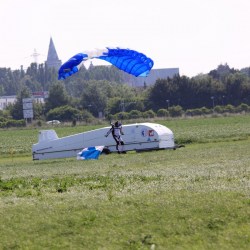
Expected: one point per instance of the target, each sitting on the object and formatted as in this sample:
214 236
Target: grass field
196 197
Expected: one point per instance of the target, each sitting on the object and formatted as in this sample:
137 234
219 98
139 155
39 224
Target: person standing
116 131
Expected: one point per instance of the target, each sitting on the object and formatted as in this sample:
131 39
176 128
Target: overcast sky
193 35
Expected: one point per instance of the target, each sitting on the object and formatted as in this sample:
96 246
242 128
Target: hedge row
176 111
7 123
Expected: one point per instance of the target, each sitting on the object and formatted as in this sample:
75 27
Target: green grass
196 197
213 129
189 130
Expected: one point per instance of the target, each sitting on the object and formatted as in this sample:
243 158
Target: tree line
100 91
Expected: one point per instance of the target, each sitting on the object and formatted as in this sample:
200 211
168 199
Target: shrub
229 108
64 113
243 108
219 109
2 119
149 114
134 114
12 123
86 116
175 111
39 123
120 116
205 111
162 113
196 112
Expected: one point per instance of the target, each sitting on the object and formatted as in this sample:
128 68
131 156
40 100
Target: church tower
52 58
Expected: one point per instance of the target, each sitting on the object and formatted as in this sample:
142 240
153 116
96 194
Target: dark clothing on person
116 131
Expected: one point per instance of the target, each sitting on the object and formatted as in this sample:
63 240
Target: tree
57 97
9 81
163 90
38 110
64 113
94 99
237 87
16 110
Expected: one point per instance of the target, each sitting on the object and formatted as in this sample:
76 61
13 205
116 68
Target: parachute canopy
130 61
71 66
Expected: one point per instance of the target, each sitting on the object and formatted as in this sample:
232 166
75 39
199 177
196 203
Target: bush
219 109
243 108
162 113
149 114
64 113
2 119
206 111
39 123
12 123
229 108
86 116
134 114
193 112
119 116
176 111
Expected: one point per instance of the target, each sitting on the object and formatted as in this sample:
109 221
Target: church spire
52 58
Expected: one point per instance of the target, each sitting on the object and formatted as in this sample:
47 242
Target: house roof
151 78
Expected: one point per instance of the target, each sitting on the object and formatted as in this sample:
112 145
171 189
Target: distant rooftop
151 78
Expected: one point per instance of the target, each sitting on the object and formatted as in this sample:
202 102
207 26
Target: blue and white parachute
130 61
90 153
71 66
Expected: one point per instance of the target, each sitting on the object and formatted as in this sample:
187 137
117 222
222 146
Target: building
154 74
52 58
38 97
6 100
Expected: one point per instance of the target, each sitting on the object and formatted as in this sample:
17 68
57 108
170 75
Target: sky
193 35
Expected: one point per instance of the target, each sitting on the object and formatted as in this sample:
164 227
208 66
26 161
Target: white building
154 74
6 100
38 97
